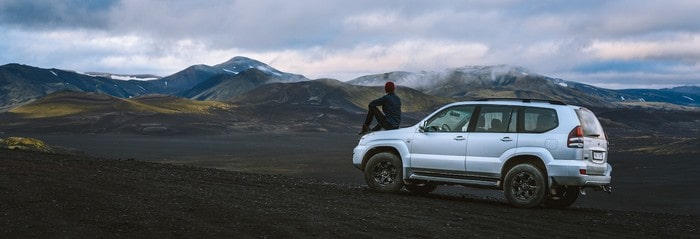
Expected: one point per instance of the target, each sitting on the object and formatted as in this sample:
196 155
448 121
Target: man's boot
365 129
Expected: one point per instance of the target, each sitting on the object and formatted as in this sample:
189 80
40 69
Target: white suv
538 152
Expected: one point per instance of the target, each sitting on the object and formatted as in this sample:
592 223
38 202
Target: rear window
589 123
538 120
496 118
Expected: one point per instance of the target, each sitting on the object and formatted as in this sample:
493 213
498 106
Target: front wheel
383 173
525 186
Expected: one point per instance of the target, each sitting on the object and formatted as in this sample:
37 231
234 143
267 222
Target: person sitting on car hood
390 115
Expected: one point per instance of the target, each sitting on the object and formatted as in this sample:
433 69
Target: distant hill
239 64
680 96
316 105
185 79
335 94
226 87
243 94
202 82
85 112
328 105
505 81
68 103
686 89
20 83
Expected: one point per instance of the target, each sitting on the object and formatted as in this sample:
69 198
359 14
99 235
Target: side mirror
423 127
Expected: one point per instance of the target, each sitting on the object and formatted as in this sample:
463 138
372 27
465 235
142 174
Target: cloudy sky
607 43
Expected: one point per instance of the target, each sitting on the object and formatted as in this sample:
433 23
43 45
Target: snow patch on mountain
127 77
232 72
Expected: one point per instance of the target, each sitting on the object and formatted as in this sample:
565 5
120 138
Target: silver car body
470 156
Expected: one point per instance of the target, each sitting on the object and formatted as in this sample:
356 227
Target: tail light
575 138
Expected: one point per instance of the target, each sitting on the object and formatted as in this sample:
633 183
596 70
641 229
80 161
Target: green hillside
69 103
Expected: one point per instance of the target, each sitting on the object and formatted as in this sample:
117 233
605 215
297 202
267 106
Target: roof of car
516 101
524 100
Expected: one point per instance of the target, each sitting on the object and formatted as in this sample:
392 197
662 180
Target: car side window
453 119
496 118
539 120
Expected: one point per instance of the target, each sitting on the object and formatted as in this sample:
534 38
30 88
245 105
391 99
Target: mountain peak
241 59
241 63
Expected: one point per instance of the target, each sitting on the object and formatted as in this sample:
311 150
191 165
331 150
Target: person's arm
378 102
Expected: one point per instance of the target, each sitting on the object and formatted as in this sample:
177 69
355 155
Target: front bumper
357 156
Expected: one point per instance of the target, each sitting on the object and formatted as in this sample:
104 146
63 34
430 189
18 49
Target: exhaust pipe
607 189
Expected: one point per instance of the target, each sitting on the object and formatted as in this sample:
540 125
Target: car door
493 138
441 144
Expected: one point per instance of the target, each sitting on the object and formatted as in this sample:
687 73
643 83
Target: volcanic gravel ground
65 196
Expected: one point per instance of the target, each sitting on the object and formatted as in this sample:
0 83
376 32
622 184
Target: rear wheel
421 188
565 196
383 173
525 186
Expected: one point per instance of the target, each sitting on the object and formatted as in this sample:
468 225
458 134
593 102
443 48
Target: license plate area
598 156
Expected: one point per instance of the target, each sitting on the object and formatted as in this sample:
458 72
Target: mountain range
316 105
503 81
223 82
21 83
244 94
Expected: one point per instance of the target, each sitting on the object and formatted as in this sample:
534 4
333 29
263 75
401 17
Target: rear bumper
568 173
583 181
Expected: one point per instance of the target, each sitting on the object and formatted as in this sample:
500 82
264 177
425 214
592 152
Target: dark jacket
391 106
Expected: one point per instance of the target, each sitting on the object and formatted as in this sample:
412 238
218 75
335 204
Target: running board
461 181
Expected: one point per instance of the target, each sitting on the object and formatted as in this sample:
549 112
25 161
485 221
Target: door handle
459 138
506 139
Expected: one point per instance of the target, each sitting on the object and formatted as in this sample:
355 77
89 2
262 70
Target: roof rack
525 100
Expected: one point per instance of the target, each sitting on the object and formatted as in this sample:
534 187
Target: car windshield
589 123
454 119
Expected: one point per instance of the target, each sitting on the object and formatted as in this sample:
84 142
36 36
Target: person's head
389 87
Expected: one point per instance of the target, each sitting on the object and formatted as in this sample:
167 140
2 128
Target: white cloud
638 18
349 63
617 80
346 39
684 48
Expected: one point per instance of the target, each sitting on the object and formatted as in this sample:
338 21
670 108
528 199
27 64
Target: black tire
525 186
383 173
421 188
564 198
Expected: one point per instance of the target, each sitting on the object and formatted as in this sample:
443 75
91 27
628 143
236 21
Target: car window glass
453 119
538 120
590 124
494 118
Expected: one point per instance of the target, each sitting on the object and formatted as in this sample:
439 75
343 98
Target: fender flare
394 146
